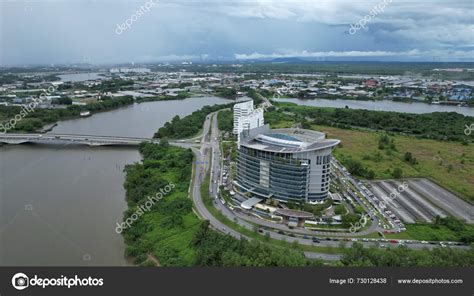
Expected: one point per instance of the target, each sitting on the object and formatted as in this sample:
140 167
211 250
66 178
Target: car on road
306 237
315 240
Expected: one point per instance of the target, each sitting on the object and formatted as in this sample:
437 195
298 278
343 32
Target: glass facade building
285 164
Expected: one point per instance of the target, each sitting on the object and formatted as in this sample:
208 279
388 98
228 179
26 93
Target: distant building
246 117
130 70
241 109
371 83
253 120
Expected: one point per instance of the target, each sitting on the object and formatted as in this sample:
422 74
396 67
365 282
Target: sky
120 31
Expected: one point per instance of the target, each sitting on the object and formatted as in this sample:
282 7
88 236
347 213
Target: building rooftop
288 140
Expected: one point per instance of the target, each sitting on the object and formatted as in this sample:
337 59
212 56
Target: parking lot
420 200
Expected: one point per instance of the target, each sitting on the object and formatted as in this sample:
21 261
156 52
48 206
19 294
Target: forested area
404 257
187 126
438 125
226 120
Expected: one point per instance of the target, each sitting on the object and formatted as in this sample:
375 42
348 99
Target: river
385 105
59 205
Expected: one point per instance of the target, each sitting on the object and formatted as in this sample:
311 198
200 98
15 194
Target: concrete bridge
91 140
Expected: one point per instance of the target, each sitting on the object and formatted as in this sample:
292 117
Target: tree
339 210
397 173
349 219
409 158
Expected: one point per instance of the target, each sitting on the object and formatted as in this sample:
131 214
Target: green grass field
449 164
430 232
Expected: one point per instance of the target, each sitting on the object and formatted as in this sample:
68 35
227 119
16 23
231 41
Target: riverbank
374 99
45 120
42 119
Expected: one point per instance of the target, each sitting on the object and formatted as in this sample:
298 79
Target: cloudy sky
90 31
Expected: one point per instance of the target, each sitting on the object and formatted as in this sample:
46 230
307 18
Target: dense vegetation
113 85
179 96
443 229
438 125
187 126
166 230
40 117
255 96
226 92
215 249
404 257
9 78
226 120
